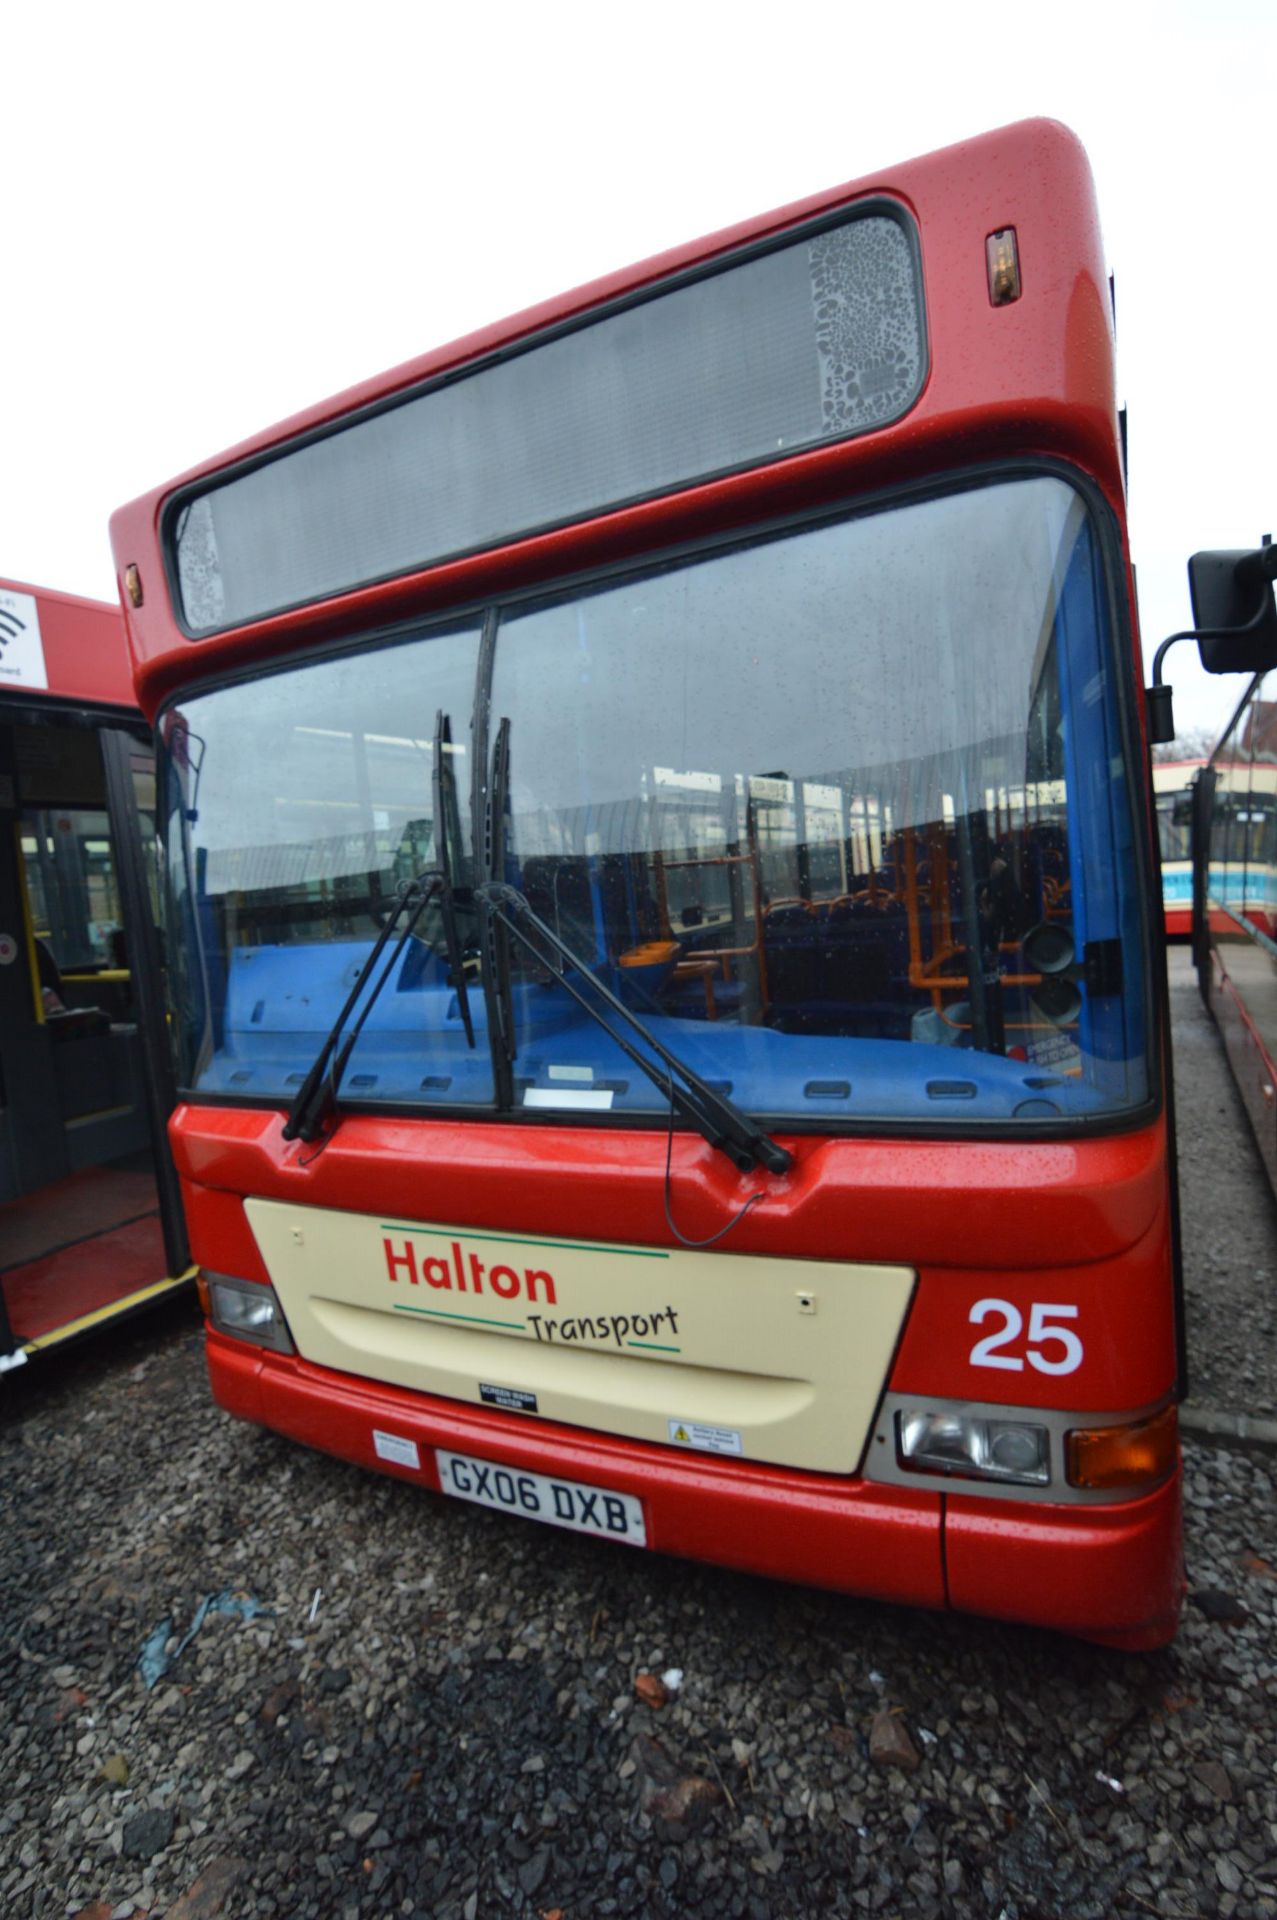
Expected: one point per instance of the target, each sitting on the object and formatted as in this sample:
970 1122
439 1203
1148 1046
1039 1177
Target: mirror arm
1189 633
1158 698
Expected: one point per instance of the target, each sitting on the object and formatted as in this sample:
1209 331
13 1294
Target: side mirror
1235 590
1234 623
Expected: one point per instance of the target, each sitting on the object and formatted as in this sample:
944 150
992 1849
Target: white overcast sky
211 216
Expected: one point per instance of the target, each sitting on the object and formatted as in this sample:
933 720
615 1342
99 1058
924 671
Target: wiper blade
445 797
722 1123
496 953
317 1096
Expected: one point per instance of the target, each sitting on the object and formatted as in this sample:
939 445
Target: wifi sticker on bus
21 648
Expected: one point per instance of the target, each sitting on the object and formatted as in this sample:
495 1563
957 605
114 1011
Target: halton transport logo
478 1287
447 1275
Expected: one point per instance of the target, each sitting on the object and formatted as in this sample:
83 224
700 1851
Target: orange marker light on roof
1129 1456
1002 257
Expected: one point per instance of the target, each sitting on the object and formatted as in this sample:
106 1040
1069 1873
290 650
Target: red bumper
1111 1573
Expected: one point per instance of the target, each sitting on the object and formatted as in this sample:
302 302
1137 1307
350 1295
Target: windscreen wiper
445 796
496 947
317 1096
721 1122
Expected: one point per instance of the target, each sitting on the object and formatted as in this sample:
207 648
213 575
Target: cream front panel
738 1354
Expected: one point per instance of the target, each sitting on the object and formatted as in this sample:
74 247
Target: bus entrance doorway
90 1222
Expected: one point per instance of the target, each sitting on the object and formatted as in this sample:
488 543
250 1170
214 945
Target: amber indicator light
1002 257
1130 1456
133 585
201 1289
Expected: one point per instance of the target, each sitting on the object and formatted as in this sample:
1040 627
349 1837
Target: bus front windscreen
843 813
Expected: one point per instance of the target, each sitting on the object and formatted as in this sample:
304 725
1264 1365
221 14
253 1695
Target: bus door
90 1220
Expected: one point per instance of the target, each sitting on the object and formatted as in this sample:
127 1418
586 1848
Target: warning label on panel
693 1433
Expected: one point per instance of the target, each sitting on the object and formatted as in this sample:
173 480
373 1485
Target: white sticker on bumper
390 1446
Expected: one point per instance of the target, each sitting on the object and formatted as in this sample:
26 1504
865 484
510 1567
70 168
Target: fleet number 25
1051 1348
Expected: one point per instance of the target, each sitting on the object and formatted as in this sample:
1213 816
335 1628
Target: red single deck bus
662 890
90 1216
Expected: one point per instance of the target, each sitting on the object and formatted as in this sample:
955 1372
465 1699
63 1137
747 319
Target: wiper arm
721 1122
317 1096
444 781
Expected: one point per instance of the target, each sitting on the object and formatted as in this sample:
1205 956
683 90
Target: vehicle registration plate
542 1496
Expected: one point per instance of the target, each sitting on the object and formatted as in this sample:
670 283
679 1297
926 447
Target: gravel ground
440 1717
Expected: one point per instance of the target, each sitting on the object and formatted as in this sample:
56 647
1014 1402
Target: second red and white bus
90 1218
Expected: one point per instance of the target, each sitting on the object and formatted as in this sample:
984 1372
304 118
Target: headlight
247 1310
975 1447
